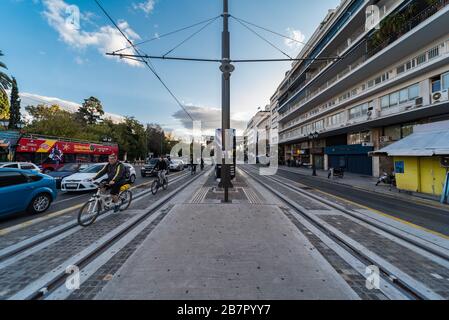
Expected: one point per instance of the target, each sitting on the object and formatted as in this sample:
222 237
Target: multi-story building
258 129
361 88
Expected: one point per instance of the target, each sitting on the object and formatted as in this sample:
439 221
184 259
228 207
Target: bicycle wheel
89 213
125 198
154 187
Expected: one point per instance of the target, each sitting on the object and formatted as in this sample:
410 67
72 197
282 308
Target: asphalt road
424 216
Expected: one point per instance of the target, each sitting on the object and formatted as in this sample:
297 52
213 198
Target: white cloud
146 6
296 35
105 38
35 99
210 120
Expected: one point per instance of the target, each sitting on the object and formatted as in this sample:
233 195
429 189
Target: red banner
46 146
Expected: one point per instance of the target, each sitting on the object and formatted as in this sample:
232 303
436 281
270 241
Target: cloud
296 35
35 99
210 120
146 6
105 38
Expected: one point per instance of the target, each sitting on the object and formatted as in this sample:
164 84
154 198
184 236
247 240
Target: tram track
51 280
403 284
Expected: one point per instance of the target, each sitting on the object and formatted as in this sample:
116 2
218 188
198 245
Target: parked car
20 165
132 175
176 165
83 180
147 169
67 170
24 190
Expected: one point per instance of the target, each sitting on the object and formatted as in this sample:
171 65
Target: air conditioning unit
385 139
440 96
419 102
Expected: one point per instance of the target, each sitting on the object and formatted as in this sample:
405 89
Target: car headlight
88 180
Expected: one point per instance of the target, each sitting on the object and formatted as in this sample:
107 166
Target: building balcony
422 62
427 26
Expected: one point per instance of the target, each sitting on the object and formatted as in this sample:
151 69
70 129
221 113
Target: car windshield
69 167
153 161
92 169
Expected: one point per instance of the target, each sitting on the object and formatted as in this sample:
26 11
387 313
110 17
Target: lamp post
313 137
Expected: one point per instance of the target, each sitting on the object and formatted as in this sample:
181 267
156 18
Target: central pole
226 68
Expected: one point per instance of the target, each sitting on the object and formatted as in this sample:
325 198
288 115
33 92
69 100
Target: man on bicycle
161 167
116 177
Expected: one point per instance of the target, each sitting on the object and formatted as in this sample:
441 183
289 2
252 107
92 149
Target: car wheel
40 203
132 179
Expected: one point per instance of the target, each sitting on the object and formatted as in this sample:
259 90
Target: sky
57 61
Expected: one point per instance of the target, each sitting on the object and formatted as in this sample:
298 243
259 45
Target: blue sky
48 59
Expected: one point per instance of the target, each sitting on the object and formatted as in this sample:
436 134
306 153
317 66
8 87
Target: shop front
352 158
8 142
421 160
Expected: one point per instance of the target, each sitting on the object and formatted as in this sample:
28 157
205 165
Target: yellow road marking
52 215
388 216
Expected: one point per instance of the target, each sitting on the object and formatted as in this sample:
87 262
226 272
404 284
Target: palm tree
5 81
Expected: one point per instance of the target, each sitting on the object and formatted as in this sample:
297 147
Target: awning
426 141
8 139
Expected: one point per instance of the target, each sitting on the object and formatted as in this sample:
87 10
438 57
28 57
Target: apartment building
257 130
364 86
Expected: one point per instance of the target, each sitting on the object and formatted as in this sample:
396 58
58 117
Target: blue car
23 190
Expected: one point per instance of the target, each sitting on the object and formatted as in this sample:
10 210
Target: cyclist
116 177
161 167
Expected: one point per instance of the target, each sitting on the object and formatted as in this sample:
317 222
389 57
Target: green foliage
4 105
133 138
5 81
14 107
91 111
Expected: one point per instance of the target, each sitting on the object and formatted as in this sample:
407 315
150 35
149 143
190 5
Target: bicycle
101 202
156 185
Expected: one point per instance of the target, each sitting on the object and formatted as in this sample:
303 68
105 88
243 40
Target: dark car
147 169
67 170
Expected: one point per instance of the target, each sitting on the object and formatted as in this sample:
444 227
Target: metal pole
226 69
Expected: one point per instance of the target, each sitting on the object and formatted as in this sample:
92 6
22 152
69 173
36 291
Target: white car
20 165
82 181
176 165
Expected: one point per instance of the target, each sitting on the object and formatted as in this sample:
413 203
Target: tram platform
247 249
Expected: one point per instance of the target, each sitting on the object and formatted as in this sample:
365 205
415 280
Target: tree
14 107
5 81
91 111
4 105
56 122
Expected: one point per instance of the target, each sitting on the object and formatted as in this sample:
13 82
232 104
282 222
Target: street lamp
312 137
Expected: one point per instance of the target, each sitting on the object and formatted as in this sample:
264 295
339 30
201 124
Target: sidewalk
204 249
368 183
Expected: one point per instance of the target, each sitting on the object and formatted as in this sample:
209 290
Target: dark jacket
115 172
161 165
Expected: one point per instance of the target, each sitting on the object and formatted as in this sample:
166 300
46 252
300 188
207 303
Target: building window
413 92
445 79
359 137
358 111
394 99
436 85
403 96
421 59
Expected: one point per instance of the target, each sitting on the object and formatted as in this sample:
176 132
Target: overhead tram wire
167 34
271 31
191 36
132 56
147 63
263 38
